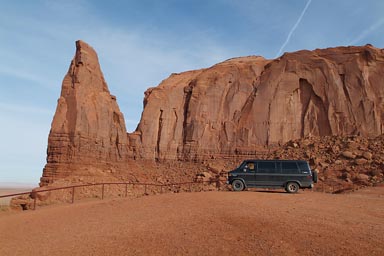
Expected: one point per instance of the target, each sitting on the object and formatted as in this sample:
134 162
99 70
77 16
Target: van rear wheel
292 187
237 185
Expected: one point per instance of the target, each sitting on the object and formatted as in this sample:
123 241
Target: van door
247 173
266 173
290 171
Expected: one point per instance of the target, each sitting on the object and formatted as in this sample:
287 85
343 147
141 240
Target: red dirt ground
203 223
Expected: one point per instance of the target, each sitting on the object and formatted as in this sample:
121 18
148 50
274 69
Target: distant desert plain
12 189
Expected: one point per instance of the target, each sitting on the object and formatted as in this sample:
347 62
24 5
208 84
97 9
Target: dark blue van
289 174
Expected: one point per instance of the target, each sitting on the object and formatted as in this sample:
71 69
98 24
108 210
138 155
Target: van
289 174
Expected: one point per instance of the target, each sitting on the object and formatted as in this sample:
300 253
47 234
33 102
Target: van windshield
247 166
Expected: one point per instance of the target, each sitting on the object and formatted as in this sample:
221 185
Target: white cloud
27 75
20 109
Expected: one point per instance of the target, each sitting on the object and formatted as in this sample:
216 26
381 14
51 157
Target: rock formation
88 128
234 108
244 103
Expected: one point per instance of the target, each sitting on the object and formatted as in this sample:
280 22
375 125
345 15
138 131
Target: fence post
145 189
34 202
126 189
73 194
102 191
161 189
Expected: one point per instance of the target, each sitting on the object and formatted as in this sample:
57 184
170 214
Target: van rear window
290 167
303 166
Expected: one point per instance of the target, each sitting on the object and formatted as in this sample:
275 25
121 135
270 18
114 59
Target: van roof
274 160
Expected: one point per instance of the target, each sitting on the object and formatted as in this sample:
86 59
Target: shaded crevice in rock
116 118
187 98
267 142
246 108
314 116
345 90
175 124
117 144
159 131
73 77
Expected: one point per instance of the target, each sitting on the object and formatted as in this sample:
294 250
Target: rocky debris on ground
340 160
22 203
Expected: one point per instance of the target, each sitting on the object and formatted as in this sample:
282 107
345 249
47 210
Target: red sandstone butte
88 128
243 103
234 107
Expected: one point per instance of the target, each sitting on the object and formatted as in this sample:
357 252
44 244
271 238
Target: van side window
263 167
290 167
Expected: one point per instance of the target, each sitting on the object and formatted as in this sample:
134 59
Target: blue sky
140 43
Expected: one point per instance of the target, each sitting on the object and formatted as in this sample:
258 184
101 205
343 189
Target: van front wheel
237 185
292 187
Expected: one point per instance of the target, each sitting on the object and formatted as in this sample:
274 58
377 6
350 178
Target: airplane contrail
366 32
294 28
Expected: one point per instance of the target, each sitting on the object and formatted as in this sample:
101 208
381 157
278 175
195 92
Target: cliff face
88 128
236 107
244 103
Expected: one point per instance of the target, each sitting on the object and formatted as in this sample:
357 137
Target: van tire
238 185
292 187
315 176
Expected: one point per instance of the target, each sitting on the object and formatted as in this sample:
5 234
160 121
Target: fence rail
325 187
34 193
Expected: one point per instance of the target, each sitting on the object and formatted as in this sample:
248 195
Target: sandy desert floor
203 223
